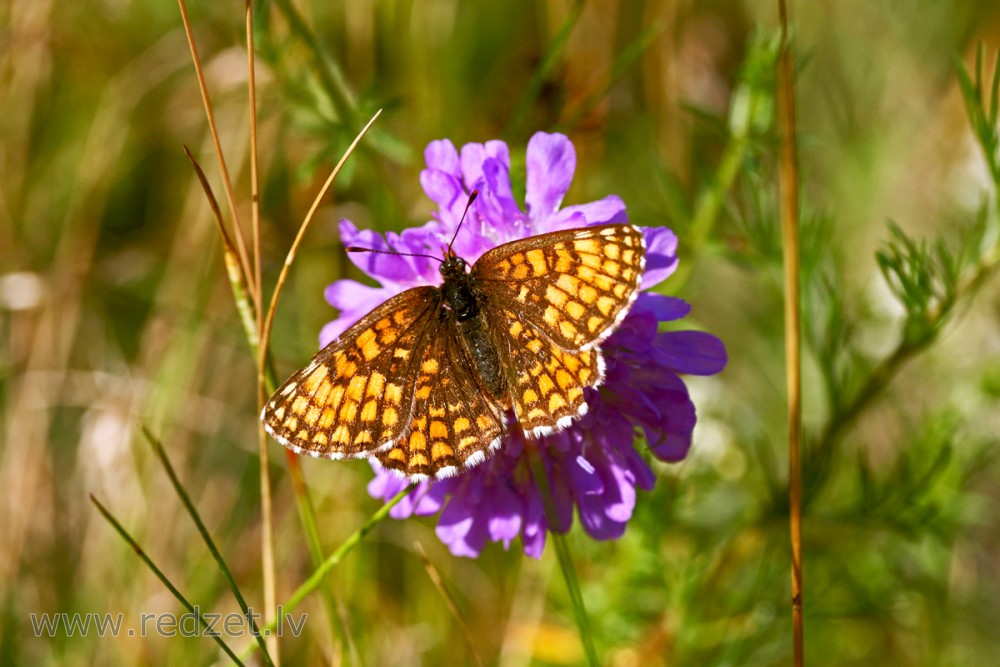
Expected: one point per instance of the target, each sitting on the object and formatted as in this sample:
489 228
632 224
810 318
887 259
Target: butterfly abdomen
484 354
464 304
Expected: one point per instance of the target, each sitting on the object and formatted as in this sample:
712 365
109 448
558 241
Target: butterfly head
453 266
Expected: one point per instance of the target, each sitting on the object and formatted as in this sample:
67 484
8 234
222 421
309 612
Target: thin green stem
883 374
565 562
237 279
750 106
317 577
307 516
163 578
209 542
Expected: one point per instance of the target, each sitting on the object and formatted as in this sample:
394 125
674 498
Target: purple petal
671 438
455 522
354 301
331 330
551 161
645 478
497 178
673 447
423 500
459 528
637 331
505 522
441 187
562 498
596 521
564 219
619 500
349 294
585 478
535 526
661 255
387 269
429 497
385 485
441 155
605 211
426 239
664 308
474 155
691 352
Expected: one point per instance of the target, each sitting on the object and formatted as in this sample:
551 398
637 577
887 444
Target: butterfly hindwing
356 396
456 422
546 382
575 286
422 384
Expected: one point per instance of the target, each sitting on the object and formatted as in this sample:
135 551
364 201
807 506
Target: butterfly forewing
546 382
410 385
356 395
575 286
456 422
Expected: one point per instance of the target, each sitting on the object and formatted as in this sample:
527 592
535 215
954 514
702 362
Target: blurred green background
115 312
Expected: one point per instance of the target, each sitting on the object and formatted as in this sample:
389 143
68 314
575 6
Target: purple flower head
592 466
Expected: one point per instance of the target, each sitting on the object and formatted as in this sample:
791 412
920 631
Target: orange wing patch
423 394
575 286
349 400
546 382
455 423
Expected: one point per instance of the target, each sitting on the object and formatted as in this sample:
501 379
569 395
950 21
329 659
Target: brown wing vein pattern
356 395
575 286
551 300
455 422
401 386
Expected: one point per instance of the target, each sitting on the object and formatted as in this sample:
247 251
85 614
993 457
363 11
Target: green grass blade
209 542
534 85
307 515
163 578
995 89
317 577
329 72
565 563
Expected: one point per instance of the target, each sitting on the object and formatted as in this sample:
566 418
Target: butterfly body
427 382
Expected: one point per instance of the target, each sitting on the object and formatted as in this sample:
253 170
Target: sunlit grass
116 311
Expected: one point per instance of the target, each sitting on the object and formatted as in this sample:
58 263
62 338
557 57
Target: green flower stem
163 578
307 515
317 577
750 113
209 542
565 562
884 373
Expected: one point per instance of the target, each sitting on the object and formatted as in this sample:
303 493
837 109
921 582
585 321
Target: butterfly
424 383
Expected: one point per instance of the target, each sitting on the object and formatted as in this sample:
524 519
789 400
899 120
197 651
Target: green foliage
115 312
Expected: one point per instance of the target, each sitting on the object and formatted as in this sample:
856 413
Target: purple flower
592 466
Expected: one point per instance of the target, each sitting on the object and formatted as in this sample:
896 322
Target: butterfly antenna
472 198
352 248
